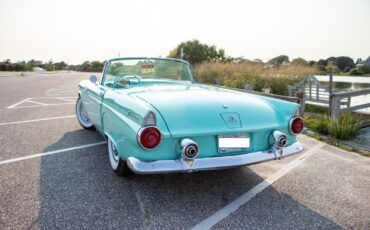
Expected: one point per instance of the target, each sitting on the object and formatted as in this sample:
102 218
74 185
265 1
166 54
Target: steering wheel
124 76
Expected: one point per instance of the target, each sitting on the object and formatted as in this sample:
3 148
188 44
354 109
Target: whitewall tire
118 165
82 117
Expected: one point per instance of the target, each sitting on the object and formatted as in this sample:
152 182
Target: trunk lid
194 111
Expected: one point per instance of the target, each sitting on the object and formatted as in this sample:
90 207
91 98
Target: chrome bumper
211 163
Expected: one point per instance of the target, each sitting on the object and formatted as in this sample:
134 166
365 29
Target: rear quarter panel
122 117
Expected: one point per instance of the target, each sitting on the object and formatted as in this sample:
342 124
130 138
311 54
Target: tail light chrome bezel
140 132
292 120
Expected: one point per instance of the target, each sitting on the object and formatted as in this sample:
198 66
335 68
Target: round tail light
149 137
296 125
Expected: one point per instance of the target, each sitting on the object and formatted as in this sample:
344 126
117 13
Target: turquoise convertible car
156 119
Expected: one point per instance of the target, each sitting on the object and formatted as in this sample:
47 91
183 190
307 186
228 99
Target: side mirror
93 79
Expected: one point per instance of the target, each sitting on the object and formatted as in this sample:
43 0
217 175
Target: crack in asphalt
146 214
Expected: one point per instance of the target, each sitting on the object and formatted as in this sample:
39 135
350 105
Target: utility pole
181 53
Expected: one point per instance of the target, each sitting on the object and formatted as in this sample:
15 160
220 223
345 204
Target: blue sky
97 30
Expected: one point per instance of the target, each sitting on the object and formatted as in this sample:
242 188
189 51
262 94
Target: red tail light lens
296 125
149 137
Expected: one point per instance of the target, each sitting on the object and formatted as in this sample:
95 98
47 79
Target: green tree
279 60
299 61
60 65
96 66
344 63
86 66
196 52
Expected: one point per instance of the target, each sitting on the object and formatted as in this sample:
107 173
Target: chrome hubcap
113 155
82 115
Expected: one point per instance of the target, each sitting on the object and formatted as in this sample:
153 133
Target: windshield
139 69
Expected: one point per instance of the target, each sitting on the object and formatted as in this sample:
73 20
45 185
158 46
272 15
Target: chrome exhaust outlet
281 140
189 149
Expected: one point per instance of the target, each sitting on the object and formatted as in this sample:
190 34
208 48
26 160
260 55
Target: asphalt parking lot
54 174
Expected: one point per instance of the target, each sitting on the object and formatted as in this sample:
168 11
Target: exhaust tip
189 149
280 139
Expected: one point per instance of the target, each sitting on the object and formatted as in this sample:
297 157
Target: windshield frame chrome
108 62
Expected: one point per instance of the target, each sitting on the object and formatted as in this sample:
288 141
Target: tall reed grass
261 77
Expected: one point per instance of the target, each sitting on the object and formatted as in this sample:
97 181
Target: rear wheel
82 117
118 165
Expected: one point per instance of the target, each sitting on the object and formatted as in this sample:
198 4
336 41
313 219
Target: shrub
344 128
319 125
354 72
363 69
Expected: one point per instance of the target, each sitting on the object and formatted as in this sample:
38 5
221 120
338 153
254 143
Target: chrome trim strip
146 118
211 163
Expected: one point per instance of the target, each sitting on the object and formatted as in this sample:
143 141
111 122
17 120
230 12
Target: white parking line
50 153
68 99
12 106
35 120
34 100
243 199
52 89
30 106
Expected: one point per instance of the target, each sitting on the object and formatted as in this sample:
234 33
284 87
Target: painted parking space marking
61 91
43 101
51 153
37 120
18 103
35 102
243 199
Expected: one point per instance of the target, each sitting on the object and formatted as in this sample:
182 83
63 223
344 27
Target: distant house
365 62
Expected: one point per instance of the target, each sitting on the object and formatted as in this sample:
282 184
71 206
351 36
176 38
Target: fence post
317 91
335 106
301 100
331 93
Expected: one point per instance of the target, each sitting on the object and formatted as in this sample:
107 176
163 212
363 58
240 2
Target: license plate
233 143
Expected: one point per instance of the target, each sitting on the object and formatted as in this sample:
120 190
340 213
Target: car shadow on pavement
78 189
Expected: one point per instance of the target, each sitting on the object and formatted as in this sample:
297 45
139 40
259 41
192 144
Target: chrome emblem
224 106
232 119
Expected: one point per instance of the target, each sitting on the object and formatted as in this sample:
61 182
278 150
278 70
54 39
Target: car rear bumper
211 163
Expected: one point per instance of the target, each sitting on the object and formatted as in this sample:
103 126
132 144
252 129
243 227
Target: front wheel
118 165
82 117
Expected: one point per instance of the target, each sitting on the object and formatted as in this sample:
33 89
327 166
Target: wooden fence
337 97
314 91
311 90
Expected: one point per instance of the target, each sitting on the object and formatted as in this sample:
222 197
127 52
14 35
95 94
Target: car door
94 98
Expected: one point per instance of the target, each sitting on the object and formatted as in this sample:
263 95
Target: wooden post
317 91
331 92
335 107
301 100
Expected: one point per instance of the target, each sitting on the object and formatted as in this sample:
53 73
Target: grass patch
321 110
343 129
261 77
316 109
